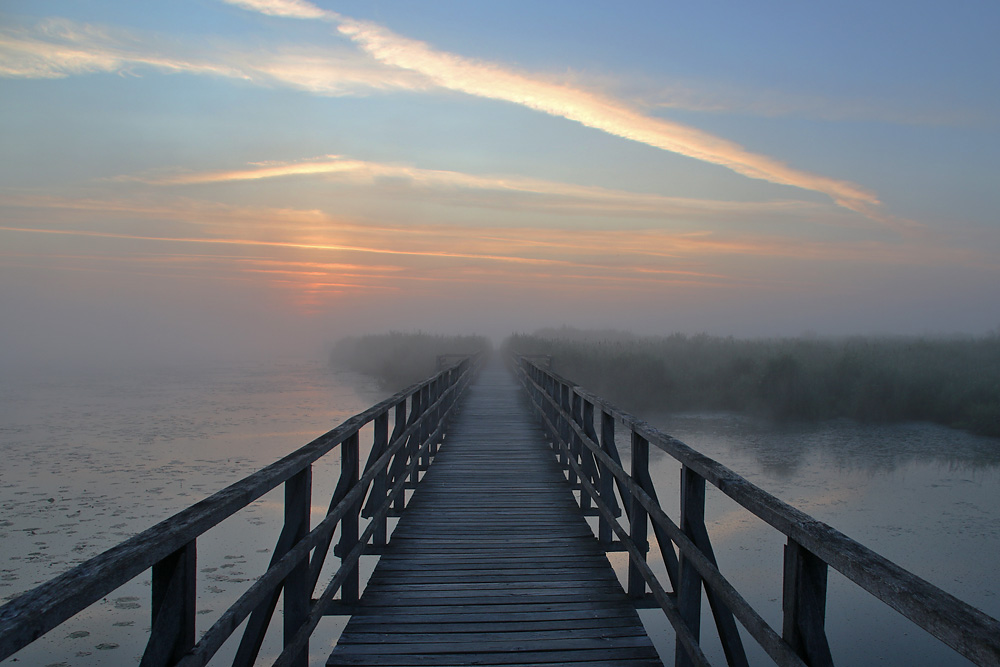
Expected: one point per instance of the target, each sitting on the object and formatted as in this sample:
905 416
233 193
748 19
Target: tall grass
952 381
398 359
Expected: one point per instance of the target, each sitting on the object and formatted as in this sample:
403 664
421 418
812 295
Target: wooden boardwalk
492 563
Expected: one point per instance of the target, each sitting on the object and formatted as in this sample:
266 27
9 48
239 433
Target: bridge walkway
492 563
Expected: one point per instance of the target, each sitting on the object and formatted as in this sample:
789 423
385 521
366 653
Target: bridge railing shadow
582 430
169 549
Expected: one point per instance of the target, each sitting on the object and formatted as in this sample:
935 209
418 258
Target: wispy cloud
58 48
591 109
63 48
543 194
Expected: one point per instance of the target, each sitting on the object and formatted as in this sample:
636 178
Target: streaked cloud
545 195
62 48
58 48
592 110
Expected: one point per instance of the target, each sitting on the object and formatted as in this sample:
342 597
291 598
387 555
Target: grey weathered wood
173 609
492 561
298 585
689 579
638 520
35 612
964 628
804 606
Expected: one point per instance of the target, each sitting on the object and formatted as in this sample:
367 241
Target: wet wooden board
492 562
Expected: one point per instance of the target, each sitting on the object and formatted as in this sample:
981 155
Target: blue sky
195 176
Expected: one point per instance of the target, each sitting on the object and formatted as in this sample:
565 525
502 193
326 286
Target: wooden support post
426 428
298 588
399 460
380 484
607 480
349 525
434 395
565 445
555 391
577 451
804 605
638 520
413 446
173 610
689 584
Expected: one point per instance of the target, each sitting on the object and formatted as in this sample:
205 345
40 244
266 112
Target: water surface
924 496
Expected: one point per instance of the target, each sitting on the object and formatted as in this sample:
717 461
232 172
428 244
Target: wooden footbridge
492 560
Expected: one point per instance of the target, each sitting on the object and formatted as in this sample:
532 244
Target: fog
114 323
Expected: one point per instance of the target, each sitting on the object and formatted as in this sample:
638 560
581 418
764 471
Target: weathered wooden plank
492 562
491 642
497 658
474 632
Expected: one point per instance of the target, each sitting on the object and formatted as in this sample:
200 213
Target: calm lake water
92 458
924 496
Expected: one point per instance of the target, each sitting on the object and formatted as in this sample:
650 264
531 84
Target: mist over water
96 453
94 456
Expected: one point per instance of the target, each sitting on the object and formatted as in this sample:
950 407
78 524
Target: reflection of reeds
400 359
952 381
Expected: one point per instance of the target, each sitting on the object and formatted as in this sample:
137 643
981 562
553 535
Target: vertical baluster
399 460
607 480
804 605
380 440
173 608
637 517
689 585
566 441
413 446
550 404
434 394
350 462
581 410
298 591
425 428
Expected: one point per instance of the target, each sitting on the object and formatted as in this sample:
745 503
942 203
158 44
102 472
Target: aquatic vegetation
953 381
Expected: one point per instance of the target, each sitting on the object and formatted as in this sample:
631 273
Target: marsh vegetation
952 381
398 359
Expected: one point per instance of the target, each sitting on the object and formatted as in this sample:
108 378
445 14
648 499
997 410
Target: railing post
607 480
426 428
589 464
638 518
298 592
576 450
413 446
399 460
350 459
435 394
689 584
380 441
564 433
804 605
173 610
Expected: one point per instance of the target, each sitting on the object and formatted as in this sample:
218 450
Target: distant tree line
399 359
952 381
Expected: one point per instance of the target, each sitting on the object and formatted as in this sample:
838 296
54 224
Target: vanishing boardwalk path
492 562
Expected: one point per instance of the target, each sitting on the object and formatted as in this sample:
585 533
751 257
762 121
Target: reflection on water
92 458
924 496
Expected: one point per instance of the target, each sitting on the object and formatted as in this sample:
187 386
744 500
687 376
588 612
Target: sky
211 177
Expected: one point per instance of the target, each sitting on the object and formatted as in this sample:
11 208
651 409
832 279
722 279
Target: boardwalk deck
492 562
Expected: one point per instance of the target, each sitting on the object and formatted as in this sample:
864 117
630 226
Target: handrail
169 546
568 412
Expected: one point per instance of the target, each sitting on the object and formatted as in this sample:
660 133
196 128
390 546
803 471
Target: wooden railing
582 428
420 414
